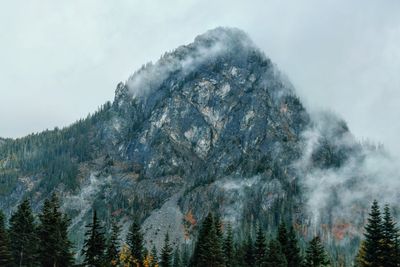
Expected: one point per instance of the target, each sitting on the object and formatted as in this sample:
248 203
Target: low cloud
343 194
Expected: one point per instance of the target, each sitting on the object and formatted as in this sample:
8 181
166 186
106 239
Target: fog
60 61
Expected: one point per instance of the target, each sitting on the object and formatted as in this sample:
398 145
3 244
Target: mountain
212 126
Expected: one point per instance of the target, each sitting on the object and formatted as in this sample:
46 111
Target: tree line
31 242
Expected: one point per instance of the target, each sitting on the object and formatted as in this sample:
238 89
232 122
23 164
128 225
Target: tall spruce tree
260 248
208 249
154 256
166 253
55 249
135 243
94 244
23 236
6 259
373 237
218 244
316 254
113 243
248 252
275 256
229 247
389 240
293 253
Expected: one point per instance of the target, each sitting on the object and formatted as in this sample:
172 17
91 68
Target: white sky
60 60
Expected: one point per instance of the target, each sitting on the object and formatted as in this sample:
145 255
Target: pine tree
316 254
6 259
260 248
135 243
94 244
218 243
112 251
248 257
390 239
283 237
55 249
208 247
275 256
23 236
154 255
289 245
177 258
166 253
228 247
373 237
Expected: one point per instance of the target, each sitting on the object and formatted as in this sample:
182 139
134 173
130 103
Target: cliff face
212 126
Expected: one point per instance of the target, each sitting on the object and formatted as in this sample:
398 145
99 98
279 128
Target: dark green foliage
208 250
316 254
166 253
228 247
218 244
374 236
380 247
248 257
177 258
154 254
275 256
112 250
390 240
135 242
54 246
53 156
6 259
260 248
23 236
289 245
94 245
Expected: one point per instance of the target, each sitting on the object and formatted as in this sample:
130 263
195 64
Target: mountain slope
212 126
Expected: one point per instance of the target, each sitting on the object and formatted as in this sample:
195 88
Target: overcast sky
60 60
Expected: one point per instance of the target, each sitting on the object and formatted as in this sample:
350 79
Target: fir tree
228 247
135 243
373 237
154 255
208 247
260 248
275 256
166 253
289 245
94 244
218 244
177 258
23 236
283 237
389 241
248 256
55 249
112 251
315 254
6 259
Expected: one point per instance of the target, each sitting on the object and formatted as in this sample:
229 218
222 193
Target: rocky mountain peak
211 126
